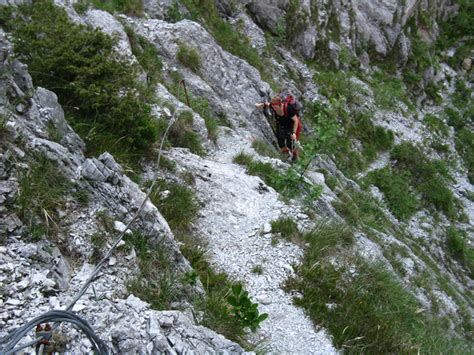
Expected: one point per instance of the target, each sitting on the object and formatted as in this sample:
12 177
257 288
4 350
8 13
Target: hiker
288 125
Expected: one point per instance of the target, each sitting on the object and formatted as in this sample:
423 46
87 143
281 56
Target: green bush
465 146
179 205
128 7
459 248
388 91
42 191
396 188
189 57
97 89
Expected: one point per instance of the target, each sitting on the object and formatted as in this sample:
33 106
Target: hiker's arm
295 127
262 104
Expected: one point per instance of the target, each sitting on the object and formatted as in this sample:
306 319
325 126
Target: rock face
38 277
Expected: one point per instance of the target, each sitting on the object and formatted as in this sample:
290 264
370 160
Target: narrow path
236 209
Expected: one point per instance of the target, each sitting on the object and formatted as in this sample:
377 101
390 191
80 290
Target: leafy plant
181 134
245 311
264 149
286 228
128 7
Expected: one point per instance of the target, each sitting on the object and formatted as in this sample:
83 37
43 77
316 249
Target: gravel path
235 220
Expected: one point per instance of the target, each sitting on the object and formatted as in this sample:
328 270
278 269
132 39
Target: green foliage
128 7
429 178
458 247
286 228
243 308
465 146
182 135
363 306
189 57
147 55
42 191
176 203
98 90
388 91
205 11
53 132
339 84
435 124
174 14
257 269
396 188
359 209
290 183
156 281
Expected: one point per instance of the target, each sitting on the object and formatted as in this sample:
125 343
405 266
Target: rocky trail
235 221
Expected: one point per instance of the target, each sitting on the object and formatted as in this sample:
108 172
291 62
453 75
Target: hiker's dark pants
284 139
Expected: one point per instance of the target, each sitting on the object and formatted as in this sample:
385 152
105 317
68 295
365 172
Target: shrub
97 89
176 203
42 192
459 248
189 57
182 135
396 188
388 91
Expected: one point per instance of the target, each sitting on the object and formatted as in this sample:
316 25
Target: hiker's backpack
285 99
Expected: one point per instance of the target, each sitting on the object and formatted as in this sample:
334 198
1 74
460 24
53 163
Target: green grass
189 57
459 248
182 135
98 90
388 91
128 7
435 124
289 184
286 229
398 193
178 206
427 177
157 283
217 312
42 191
265 149
362 305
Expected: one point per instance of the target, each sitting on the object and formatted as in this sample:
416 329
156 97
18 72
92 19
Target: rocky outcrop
39 276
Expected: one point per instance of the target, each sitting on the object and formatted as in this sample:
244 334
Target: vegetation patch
128 7
98 89
429 178
181 134
361 304
397 190
388 91
177 203
189 57
264 149
226 307
157 282
459 248
286 228
435 124
42 192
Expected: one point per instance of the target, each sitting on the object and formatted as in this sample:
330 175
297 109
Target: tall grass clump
363 306
42 191
181 134
459 247
189 57
96 87
428 177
